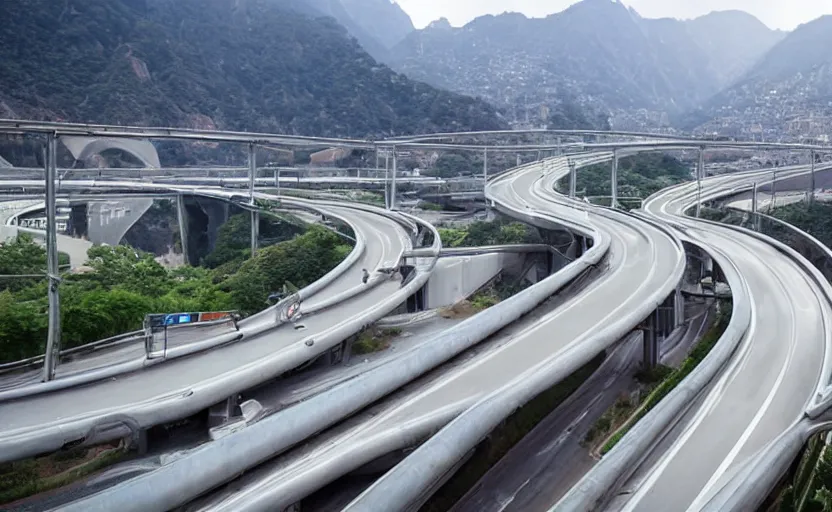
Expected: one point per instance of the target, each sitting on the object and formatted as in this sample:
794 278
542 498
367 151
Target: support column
700 175
678 308
573 179
560 149
393 182
614 180
773 201
182 218
53 340
650 342
812 178
255 232
252 171
255 216
518 160
755 207
387 179
485 177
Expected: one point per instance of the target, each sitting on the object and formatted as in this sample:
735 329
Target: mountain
255 65
745 38
597 53
378 25
787 94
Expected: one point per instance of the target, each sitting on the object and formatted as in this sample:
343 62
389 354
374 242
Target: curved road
769 382
643 259
180 387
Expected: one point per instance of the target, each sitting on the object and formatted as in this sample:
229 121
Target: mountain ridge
602 54
254 65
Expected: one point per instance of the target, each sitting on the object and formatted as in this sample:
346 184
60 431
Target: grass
627 404
374 340
482 300
702 349
432 207
25 478
505 436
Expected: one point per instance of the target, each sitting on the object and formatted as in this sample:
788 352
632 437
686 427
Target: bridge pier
182 218
255 232
614 180
650 341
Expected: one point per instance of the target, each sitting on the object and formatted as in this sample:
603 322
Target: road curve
766 385
641 262
180 387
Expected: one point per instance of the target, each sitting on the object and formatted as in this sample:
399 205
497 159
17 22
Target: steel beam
53 340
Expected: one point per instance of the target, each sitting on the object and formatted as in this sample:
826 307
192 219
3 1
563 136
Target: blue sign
178 319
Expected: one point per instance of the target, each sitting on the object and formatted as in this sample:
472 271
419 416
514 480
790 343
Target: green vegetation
702 349
125 285
638 176
31 476
258 66
233 244
374 340
815 219
626 405
499 232
809 490
505 436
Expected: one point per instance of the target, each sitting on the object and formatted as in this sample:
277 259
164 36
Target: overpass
643 261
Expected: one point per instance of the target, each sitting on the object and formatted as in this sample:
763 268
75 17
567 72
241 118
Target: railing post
53 340
614 180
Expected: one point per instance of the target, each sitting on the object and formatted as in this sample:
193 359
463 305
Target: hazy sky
782 14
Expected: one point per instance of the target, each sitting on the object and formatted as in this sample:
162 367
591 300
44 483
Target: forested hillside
256 65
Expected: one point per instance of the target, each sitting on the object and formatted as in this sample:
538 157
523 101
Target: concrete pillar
573 180
387 179
812 178
53 340
255 232
678 308
614 180
393 182
560 149
700 175
182 217
650 342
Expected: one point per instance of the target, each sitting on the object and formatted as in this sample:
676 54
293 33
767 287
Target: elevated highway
639 258
49 415
770 368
